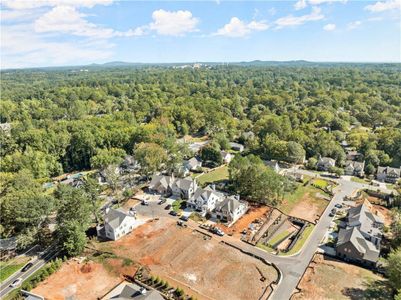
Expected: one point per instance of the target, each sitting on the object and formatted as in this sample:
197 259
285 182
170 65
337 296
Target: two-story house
117 223
162 184
325 163
205 200
354 168
184 187
388 174
231 209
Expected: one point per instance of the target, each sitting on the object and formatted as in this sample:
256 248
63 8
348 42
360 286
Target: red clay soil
86 281
204 268
253 213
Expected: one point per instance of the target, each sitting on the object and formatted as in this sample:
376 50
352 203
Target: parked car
334 211
338 205
145 202
168 206
173 213
27 267
217 231
162 201
16 282
184 218
182 224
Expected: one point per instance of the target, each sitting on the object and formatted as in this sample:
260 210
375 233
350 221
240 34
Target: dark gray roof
355 164
326 160
229 204
389 170
165 181
192 163
8 244
355 237
132 291
185 183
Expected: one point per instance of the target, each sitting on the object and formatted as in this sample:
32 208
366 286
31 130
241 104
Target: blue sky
72 32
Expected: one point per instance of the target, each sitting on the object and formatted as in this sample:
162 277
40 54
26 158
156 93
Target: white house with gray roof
117 223
231 209
325 163
184 187
205 200
354 168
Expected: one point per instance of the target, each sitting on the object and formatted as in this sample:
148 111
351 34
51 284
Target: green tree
211 152
106 157
394 268
150 156
295 152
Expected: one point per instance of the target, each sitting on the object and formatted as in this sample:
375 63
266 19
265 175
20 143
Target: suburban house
354 168
193 164
127 290
205 200
8 248
272 164
167 185
184 187
236 147
117 223
129 164
354 155
162 184
360 239
388 174
230 209
226 156
325 163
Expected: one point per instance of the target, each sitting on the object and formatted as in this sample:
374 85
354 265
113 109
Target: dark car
168 206
338 205
173 213
27 267
334 211
184 218
161 201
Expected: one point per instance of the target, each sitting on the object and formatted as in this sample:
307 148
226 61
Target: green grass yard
220 173
279 237
177 205
301 241
10 267
359 180
321 183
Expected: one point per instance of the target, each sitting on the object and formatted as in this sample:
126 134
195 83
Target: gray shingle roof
389 170
114 217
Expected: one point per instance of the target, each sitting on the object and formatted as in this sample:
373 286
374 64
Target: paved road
291 267
37 264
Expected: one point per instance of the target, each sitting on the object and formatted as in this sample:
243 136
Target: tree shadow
376 289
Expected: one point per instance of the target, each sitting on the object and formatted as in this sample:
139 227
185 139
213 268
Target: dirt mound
86 268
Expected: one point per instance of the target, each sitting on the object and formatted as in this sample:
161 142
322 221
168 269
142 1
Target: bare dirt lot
84 281
183 257
327 278
304 203
253 213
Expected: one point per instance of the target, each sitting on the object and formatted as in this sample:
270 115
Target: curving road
292 267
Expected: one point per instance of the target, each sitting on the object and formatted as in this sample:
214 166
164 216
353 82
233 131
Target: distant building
237 147
117 223
354 168
354 155
272 164
179 187
8 248
162 184
193 164
226 156
325 163
388 174
360 238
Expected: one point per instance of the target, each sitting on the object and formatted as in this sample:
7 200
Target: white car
16 282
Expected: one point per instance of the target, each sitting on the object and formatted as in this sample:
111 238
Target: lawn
320 183
12 266
359 180
279 237
220 173
265 247
301 241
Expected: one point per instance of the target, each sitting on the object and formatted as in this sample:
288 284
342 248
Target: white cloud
175 23
291 20
354 25
21 48
30 4
66 19
318 2
384 6
272 11
300 4
329 27
238 28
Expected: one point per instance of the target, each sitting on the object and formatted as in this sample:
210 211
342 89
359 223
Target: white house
231 209
117 223
226 156
205 200
162 184
388 174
